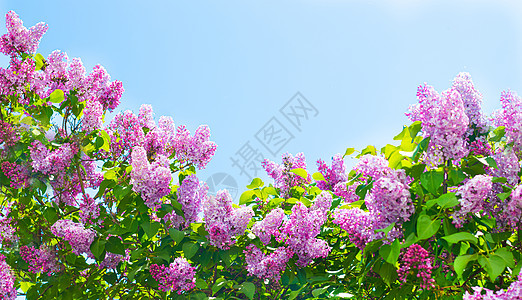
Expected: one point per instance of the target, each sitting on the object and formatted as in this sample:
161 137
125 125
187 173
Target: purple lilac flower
150 180
17 175
18 38
513 292
507 165
283 178
92 116
222 221
14 80
7 281
347 192
198 149
191 194
51 162
417 259
178 276
358 224
89 210
269 226
302 227
512 213
266 266
473 196
42 260
472 100
510 116
333 175
444 120
76 234
372 166
8 136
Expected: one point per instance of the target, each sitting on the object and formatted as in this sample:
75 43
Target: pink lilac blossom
347 192
222 221
302 227
513 292
17 175
190 194
19 39
417 259
13 81
283 178
266 266
51 162
8 136
160 140
480 147
510 116
269 226
372 166
92 116
76 234
444 120
152 181
473 195
197 150
472 100
358 224
333 175
7 281
7 231
89 210
41 260
178 276
507 165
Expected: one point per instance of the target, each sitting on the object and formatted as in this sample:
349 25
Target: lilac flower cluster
472 100
513 292
17 175
266 266
197 149
222 221
178 276
507 165
126 131
334 175
299 234
150 180
8 136
512 209
7 281
283 178
473 195
40 260
89 210
51 162
76 234
417 258
7 231
389 201
444 120
19 39
510 116
14 79
112 260
190 194
92 116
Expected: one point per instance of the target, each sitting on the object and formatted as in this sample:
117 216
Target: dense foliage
95 210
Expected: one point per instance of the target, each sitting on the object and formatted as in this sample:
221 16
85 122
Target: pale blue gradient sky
233 64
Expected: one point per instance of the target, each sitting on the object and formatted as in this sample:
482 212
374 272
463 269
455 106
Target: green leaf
387 229
190 249
246 197
426 227
431 181
318 176
448 200
150 228
503 196
348 151
493 264
415 128
300 172
462 261
98 247
390 253
247 288
423 145
320 291
25 285
370 149
57 96
507 256
220 282
201 284
388 273
106 139
497 134
115 245
176 235
256 182
39 62
461 237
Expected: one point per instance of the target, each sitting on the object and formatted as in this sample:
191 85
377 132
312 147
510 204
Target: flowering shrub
114 210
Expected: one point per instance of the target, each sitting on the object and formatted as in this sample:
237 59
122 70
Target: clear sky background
234 64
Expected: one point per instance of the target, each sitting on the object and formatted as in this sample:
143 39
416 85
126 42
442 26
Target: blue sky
234 64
